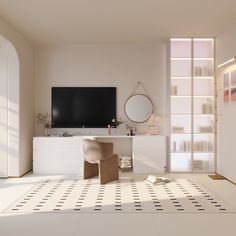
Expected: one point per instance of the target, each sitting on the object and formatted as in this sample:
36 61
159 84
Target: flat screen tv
88 107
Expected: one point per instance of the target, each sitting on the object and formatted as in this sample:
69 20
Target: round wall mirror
138 108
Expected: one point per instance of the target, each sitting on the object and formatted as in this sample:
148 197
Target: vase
47 132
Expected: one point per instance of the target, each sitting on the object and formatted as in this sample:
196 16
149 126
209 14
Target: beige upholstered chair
100 160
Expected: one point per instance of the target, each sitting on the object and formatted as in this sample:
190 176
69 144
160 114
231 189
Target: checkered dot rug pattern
125 195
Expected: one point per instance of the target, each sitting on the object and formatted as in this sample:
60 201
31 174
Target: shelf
192 114
203 96
181 152
194 96
180 58
203 114
181 39
126 169
203 77
195 77
180 133
181 96
180 114
193 152
203 39
192 133
180 77
203 133
203 58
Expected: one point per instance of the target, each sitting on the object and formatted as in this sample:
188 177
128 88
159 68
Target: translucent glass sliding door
192 104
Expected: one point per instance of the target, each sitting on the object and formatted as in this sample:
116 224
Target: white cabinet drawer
57 154
58 167
56 142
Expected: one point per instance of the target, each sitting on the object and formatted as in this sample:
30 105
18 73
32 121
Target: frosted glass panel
181 87
181 162
192 104
181 68
181 124
181 105
203 48
203 162
203 124
203 87
181 48
203 143
181 143
203 106
203 67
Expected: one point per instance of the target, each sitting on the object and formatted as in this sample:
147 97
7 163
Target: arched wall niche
9 108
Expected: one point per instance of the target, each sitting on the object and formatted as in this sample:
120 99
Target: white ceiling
117 21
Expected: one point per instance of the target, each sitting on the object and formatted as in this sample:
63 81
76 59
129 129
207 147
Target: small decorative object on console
153 127
64 134
44 120
129 130
116 122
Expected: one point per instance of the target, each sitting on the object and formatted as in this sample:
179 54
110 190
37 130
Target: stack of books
125 163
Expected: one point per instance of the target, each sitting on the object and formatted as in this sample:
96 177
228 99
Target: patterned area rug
126 195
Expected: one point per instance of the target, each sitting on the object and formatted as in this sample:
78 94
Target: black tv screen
77 107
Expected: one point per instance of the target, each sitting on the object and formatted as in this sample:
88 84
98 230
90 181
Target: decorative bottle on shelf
47 131
207 108
174 146
174 90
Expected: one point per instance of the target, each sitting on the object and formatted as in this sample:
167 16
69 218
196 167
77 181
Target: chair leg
90 170
109 170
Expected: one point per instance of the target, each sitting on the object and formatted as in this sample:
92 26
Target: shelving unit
192 104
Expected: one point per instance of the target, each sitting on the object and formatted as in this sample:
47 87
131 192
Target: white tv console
64 155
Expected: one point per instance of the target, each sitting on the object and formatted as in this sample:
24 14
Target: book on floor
157 179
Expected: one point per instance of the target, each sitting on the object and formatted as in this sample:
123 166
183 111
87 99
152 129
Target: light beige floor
116 224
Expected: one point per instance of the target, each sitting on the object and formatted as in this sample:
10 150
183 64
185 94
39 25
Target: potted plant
43 120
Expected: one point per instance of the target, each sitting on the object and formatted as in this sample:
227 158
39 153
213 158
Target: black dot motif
118 197
136 198
99 200
156 203
82 196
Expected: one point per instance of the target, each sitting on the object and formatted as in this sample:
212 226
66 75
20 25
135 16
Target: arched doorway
9 107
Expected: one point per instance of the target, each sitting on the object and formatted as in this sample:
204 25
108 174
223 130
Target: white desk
64 155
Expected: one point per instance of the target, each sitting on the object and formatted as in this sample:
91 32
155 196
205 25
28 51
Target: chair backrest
95 151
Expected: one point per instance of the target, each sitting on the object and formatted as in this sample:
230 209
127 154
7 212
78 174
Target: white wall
226 161
25 51
121 66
